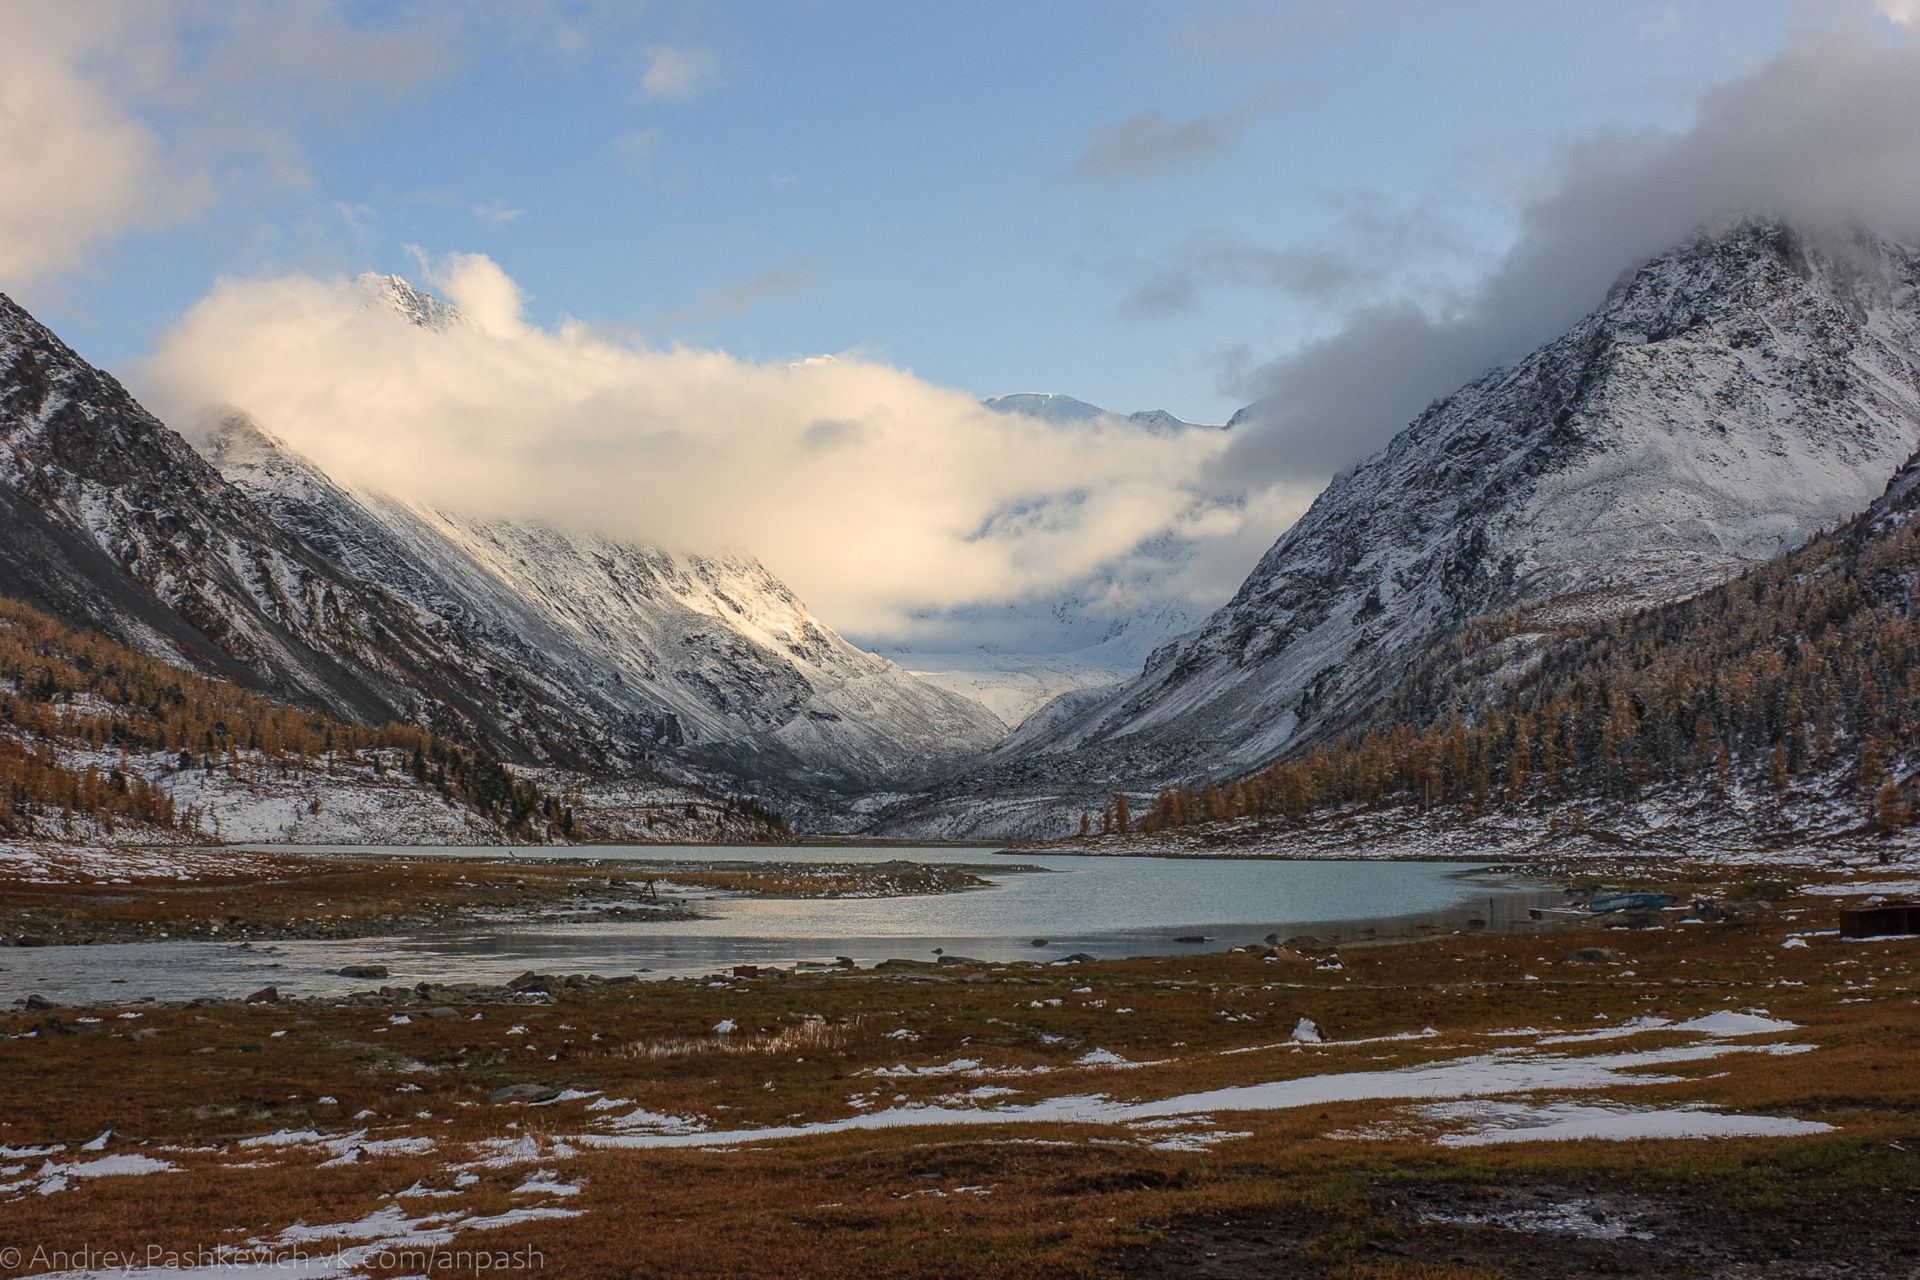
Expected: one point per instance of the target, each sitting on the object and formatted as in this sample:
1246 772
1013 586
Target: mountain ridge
1726 401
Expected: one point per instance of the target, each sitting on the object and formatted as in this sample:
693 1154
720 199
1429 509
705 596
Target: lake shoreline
1396 1099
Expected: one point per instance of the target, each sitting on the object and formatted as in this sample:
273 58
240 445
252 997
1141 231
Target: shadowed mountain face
111 520
1728 400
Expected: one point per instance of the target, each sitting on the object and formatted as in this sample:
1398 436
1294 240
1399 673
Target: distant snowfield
1011 685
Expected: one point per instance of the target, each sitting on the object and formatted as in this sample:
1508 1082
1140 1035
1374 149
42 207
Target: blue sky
912 181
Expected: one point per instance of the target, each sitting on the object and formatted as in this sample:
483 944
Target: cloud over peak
1825 133
877 494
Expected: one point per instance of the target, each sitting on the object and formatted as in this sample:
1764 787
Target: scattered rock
845 962
531 982
528 1092
1594 955
897 963
1638 920
442 1013
52 1026
1731 912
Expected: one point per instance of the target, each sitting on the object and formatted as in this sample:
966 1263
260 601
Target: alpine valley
1725 404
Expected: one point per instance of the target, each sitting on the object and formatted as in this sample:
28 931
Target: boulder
1594 955
362 971
265 995
38 1002
528 1092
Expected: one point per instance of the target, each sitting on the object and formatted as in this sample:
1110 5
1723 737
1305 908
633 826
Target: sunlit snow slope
709 652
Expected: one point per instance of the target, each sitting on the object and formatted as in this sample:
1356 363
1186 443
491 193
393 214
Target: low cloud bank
876 494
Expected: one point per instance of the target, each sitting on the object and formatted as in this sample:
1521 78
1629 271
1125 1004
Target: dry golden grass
983 1201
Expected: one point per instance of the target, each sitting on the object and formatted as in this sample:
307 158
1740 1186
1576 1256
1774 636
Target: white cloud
875 493
676 72
128 115
1903 12
498 212
637 149
76 165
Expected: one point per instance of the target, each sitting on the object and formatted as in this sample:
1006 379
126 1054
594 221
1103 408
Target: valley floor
1728 1099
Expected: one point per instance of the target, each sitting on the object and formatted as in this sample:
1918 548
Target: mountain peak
415 306
1051 406
1727 400
1048 406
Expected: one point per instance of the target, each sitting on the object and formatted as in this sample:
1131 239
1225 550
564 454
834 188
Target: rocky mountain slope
528 643
1773 713
109 519
1727 401
707 657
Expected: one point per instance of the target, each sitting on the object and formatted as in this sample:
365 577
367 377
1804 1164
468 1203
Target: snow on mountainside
651 647
409 303
1727 401
1051 406
108 519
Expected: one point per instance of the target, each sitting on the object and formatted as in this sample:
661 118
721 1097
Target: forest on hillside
1808 664
77 710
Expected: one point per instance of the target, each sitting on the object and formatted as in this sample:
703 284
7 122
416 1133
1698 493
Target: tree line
1807 664
66 690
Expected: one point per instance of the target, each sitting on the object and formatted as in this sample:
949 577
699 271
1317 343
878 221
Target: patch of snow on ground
1569 1121
1504 1071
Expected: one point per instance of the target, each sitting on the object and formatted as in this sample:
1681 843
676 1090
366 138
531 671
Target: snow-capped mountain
109 519
1017 656
542 645
410 304
1051 406
1727 401
649 648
